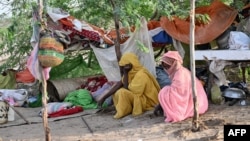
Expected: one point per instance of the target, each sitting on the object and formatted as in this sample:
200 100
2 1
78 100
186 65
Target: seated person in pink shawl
176 99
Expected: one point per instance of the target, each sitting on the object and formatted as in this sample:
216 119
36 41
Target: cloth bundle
105 88
94 83
81 98
67 111
56 109
15 97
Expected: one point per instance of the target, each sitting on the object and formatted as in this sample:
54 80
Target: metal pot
234 93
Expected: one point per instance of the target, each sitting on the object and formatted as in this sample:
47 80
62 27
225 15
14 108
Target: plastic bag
238 40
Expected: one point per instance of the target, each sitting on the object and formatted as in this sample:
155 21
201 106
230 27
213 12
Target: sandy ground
92 126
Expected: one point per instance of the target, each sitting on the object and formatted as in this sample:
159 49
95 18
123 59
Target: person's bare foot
158 111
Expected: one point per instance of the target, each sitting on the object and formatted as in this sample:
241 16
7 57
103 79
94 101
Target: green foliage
202 18
15 35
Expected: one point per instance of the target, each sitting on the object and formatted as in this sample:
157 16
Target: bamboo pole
44 82
195 122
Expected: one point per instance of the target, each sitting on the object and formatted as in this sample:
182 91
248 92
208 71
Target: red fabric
86 33
67 21
68 25
94 83
108 36
65 112
25 76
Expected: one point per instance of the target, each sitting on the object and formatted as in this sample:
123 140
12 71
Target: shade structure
221 17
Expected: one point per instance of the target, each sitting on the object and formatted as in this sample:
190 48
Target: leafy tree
15 36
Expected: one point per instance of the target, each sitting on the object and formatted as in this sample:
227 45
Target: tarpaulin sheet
221 15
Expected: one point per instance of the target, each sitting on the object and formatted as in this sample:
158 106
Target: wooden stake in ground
195 123
44 82
45 112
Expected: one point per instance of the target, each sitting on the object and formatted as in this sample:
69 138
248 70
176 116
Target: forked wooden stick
18 112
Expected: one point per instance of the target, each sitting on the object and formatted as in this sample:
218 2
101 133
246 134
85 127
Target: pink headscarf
173 59
177 99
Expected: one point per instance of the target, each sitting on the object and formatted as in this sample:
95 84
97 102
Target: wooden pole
118 40
195 123
44 82
45 112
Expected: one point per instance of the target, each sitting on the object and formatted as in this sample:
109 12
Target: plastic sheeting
8 81
74 67
238 40
107 57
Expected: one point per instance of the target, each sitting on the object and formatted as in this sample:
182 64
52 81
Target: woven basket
50 43
50 58
4 108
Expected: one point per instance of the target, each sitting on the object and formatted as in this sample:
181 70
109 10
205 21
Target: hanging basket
50 58
48 42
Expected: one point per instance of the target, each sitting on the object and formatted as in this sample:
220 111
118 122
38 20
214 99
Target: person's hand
100 100
127 68
158 110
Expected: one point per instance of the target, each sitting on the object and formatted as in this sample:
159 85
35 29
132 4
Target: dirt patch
207 131
91 125
214 122
204 134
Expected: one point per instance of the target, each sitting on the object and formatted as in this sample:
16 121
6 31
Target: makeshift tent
83 34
